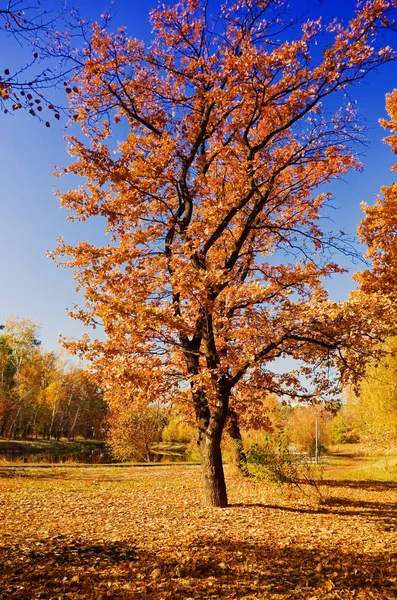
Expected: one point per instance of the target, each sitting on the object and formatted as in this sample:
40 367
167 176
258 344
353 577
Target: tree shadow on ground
385 513
62 567
291 570
369 485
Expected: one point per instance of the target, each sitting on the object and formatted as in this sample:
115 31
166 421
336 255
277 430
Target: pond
15 452
93 457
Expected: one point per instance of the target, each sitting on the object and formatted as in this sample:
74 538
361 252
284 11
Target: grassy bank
360 468
14 450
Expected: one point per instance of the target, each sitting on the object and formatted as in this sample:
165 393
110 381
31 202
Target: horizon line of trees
40 394
43 396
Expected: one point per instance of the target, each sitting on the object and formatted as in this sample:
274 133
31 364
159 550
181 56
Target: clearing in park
142 532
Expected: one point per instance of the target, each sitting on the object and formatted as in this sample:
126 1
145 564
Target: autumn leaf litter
143 533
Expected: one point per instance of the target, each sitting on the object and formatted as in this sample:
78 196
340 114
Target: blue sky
30 217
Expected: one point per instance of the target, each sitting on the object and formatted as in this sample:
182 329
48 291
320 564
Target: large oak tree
216 258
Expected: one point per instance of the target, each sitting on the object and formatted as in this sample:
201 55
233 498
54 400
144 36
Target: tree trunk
71 432
147 450
210 429
214 485
239 457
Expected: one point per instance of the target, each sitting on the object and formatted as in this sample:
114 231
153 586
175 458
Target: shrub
132 432
278 465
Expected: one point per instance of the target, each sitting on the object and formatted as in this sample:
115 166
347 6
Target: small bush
321 450
275 464
132 432
279 465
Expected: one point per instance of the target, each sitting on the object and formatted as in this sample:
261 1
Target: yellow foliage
375 405
178 431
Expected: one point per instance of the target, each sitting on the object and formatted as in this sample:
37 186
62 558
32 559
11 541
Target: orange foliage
379 228
215 262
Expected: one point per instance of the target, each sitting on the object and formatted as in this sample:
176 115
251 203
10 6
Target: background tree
21 337
376 396
178 429
374 405
253 424
216 259
37 376
39 394
343 427
300 427
132 432
84 410
379 227
7 372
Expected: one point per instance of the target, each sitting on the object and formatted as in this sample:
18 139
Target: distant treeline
42 396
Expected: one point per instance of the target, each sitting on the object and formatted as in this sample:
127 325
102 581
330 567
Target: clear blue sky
31 220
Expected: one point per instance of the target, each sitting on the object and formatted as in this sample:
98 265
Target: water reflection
92 457
97 456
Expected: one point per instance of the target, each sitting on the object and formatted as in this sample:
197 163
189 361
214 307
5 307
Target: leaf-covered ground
142 533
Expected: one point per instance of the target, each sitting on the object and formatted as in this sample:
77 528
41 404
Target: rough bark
210 428
210 423
214 484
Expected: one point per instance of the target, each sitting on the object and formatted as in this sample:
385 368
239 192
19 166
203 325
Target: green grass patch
359 468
